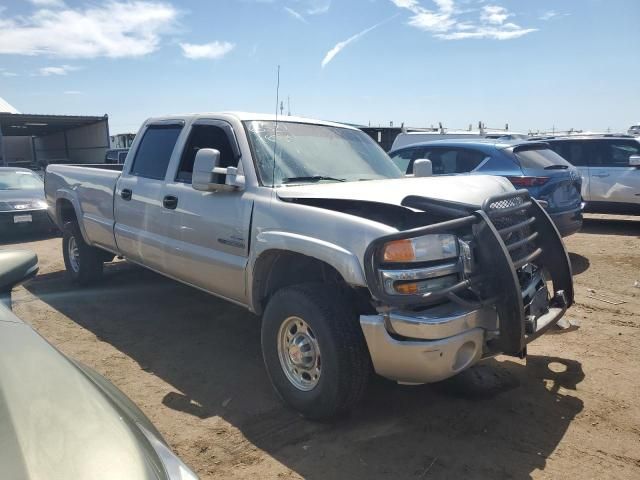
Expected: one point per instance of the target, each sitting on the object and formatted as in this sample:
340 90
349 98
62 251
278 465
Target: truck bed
90 189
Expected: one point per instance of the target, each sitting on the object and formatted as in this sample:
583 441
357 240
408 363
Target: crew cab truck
354 267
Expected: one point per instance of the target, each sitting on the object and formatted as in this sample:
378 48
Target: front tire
314 350
82 261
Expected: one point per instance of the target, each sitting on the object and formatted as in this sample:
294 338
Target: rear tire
83 262
314 350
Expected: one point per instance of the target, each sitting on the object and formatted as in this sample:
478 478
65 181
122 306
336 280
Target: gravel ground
193 364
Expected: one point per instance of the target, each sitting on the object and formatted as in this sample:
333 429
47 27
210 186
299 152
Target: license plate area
26 218
537 307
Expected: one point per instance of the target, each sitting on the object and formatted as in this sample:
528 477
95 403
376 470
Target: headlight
421 249
28 205
175 468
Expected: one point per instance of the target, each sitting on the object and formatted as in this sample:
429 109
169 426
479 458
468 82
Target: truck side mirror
422 168
634 161
208 176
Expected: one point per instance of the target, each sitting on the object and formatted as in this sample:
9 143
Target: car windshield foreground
308 153
19 180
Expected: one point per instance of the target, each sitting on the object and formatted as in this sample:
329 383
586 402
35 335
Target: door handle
600 175
170 202
126 194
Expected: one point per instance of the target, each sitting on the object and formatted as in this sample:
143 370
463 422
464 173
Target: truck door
140 227
612 179
208 231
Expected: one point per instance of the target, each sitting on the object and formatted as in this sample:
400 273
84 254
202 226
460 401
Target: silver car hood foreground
470 189
56 422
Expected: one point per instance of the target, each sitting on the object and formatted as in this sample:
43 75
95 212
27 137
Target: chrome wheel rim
74 254
299 354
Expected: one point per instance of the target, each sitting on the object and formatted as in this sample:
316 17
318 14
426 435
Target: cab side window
153 154
205 136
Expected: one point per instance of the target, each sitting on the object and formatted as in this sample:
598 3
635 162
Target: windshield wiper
312 178
556 167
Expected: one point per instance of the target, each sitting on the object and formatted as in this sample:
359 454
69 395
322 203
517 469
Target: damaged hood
469 189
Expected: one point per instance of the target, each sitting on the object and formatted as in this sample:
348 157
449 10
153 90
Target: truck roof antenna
275 131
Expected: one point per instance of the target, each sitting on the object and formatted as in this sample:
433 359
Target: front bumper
430 338
429 346
569 222
411 361
437 343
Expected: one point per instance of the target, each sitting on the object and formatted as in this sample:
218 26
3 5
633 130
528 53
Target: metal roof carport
52 139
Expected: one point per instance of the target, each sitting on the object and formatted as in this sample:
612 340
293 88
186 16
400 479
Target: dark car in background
610 168
531 165
59 419
116 155
22 203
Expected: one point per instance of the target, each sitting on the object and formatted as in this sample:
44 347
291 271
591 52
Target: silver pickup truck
353 267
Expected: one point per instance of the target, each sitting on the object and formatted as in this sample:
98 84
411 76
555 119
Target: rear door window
573 151
153 154
615 153
446 161
537 157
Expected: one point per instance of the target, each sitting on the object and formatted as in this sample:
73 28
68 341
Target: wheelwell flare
275 269
65 211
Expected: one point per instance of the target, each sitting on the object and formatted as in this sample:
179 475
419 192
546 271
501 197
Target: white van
410 138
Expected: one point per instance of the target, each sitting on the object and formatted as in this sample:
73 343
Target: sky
535 65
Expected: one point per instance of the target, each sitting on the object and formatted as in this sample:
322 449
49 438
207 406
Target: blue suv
531 165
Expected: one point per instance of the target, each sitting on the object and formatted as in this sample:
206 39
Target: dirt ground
193 364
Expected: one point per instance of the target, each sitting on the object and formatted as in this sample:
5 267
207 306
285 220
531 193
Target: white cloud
48 3
317 7
409 4
508 32
432 22
552 15
295 14
494 14
213 50
6 73
115 29
342 45
58 70
448 22
306 7
301 7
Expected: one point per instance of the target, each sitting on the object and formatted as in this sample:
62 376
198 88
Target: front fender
344 261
